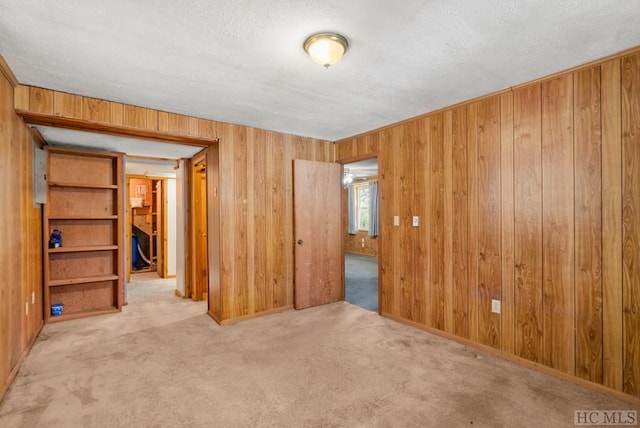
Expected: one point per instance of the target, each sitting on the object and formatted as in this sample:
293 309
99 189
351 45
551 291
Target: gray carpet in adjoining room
361 281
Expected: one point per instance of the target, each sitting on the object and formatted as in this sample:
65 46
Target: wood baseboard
5 387
519 360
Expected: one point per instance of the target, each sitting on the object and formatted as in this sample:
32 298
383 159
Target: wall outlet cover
495 306
396 220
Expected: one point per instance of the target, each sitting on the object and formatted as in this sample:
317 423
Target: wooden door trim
192 291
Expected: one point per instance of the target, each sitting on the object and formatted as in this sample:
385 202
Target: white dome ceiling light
326 48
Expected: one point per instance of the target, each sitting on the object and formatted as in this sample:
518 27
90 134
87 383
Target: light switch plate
495 306
396 220
416 221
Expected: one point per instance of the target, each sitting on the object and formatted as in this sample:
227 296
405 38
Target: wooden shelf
76 315
81 280
84 201
82 185
83 217
82 249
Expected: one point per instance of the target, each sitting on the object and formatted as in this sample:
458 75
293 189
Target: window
361 195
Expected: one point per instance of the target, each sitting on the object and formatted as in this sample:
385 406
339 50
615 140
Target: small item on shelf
55 240
56 309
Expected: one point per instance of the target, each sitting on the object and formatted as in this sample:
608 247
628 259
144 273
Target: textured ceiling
241 61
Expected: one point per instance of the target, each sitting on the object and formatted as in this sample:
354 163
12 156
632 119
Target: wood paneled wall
251 266
49 107
256 222
530 197
20 246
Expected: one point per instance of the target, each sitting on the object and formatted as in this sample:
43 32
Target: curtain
373 208
351 210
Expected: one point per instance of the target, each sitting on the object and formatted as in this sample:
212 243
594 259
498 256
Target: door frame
190 290
161 237
343 162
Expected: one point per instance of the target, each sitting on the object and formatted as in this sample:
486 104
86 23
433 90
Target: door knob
299 241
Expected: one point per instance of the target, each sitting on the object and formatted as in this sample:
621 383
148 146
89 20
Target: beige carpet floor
163 362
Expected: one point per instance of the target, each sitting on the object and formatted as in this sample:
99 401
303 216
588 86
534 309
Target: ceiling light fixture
326 48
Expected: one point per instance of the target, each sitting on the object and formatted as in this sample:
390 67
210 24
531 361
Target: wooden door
199 263
318 233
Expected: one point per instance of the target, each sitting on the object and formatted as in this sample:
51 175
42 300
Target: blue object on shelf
56 309
55 240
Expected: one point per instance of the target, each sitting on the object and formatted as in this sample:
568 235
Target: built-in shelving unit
84 197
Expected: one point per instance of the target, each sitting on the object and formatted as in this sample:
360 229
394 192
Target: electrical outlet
495 306
33 297
416 221
396 220
26 309
362 242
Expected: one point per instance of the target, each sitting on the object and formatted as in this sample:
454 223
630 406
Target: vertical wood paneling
405 264
173 123
96 110
214 223
460 259
347 149
472 221
227 221
630 223
401 239
134 116
116 113
588 224
437 224
489 236
612 343
67 105
551 202
259 235
362 145
528 222
21 97
240 280
506 197
194 126
151 119
40 100
21 228
207 128
387 229
422 207
448 221
275 205
557 185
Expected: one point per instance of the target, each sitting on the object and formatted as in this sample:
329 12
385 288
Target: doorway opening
146 224
151 225
361 241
